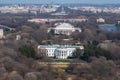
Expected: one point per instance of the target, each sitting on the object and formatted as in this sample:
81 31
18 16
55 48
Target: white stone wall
1 33
61 52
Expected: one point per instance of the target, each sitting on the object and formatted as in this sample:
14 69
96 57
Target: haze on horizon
59 1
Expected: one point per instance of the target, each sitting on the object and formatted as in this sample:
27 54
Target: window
62 54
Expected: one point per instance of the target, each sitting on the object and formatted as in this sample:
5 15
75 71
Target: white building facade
101 20
1 33
59 51
64 28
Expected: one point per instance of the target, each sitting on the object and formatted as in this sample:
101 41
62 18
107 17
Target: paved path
60 63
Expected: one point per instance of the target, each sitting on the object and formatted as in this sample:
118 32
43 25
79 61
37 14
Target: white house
64 28
59 51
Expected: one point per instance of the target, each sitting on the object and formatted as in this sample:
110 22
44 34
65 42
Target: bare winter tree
30 76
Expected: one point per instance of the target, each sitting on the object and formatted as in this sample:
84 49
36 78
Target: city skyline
59 1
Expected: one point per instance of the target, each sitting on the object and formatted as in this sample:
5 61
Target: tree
95 43
14 76
91 50
30 76
98 69
27 51
3 72
103 68
77 53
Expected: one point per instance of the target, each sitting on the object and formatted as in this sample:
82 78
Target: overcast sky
61 1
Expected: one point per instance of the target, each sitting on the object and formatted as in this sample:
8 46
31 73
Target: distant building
59 51
6 28
62 13
1 33
49 9
33 11
100 20
82 18
118 22
18 37
44 20
64 28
